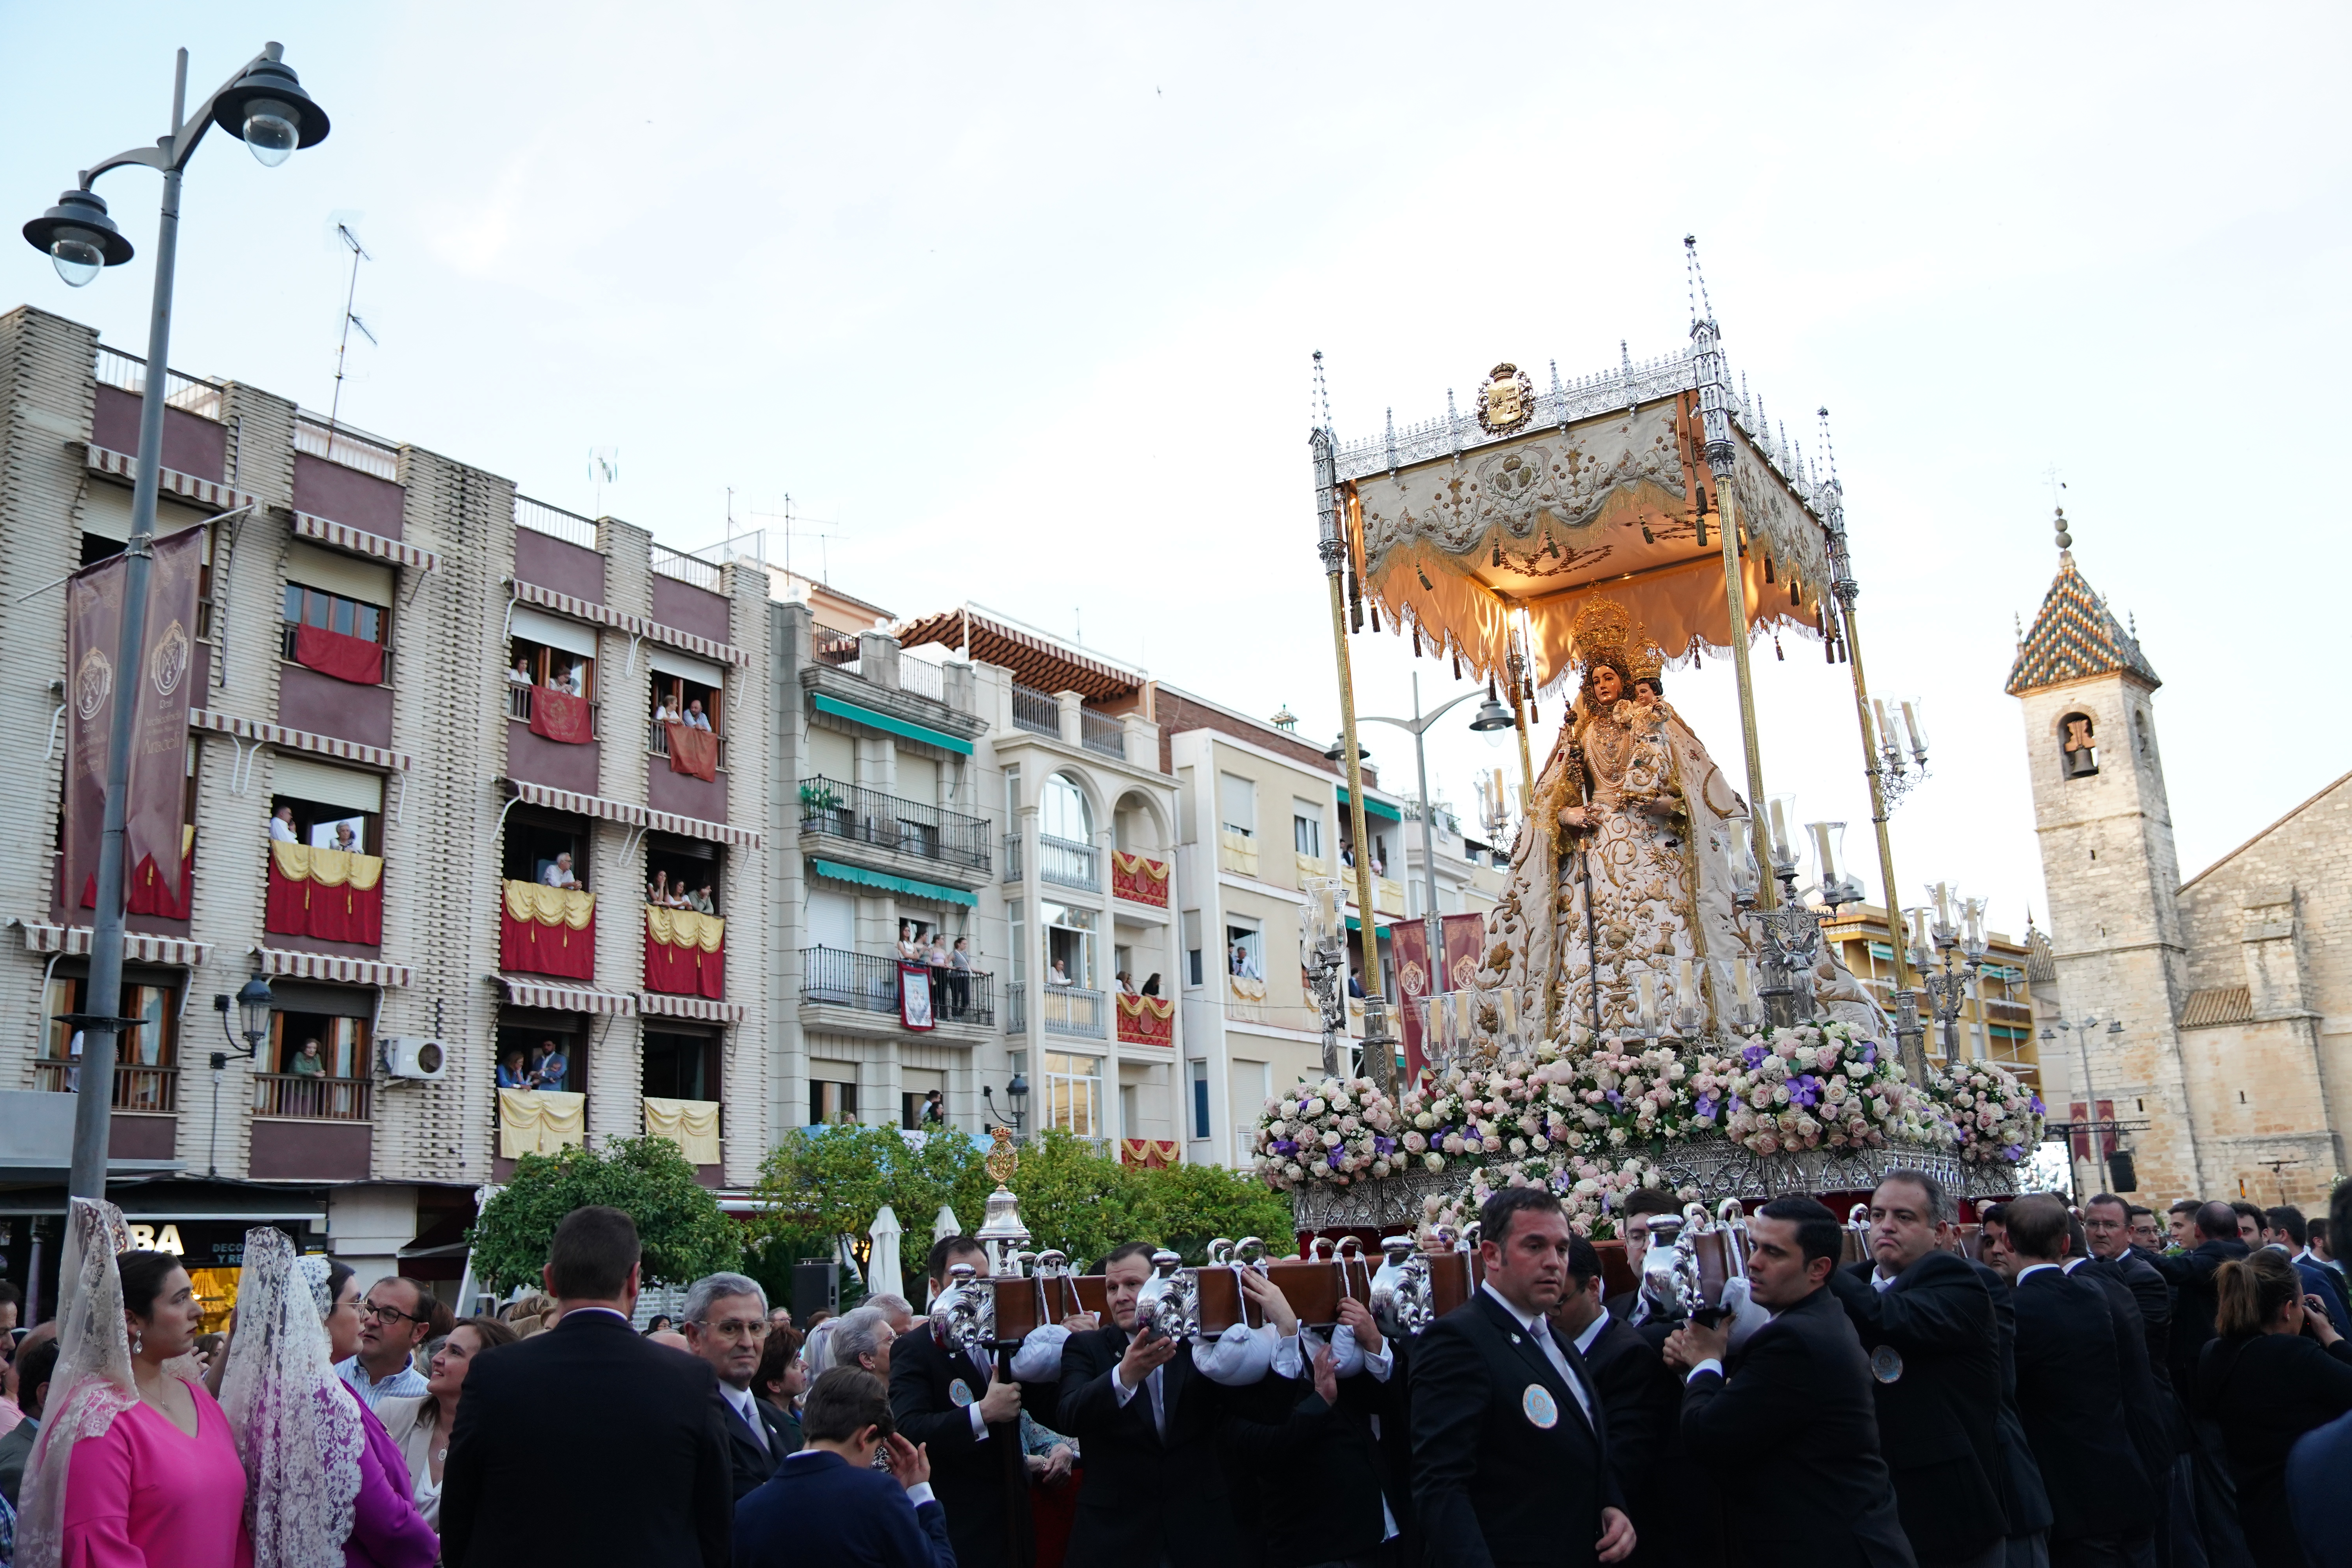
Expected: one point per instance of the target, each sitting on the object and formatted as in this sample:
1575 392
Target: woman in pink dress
328 1485
135 1467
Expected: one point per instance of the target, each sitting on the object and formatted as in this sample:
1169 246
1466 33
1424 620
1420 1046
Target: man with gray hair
863 1338
897 1308
1927 1323
726 1320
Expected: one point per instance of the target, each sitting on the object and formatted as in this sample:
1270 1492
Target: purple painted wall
310 1151
192 444
683 794
692 609
534 759
551 562
133 1136
320 703
347 496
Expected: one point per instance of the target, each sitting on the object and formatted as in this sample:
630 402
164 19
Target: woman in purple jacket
321 1475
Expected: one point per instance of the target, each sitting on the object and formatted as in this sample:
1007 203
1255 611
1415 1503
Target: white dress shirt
747 1407
1540 1331
1592 1330
2032 1269
282 831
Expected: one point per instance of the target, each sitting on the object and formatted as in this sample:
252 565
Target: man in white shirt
726 1320
693 716
281 826
396 1317
558 873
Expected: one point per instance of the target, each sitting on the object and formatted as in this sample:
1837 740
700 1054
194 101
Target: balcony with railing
1067 864
1013 857
153 1089
1039 712
341 444
922 677
553 520
858 815
1070 1010
686 568
313 1097
657 742
868 983
1101 732
128 373
518 707
1016 1007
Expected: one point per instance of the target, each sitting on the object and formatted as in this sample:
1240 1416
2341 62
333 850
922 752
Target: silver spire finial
2065 540
1829 451
1322 410
1701 310
1453 422
1392 462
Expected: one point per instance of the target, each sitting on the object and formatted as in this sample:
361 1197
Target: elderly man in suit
1510 1449
1935 1358
2071 1393
827 1505
1794 1417
587 1444
1640 1399
727 1325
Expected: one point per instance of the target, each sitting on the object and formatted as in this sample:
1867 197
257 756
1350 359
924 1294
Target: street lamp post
264 104
1433 924
2079 1029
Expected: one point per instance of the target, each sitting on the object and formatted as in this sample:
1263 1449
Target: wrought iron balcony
911 827
870 983
1068 1010
1101 732
309 1097
1068 864
1039 712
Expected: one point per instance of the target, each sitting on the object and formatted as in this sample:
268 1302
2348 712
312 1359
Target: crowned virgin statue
1622 884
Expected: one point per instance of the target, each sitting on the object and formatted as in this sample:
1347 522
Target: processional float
1655 1005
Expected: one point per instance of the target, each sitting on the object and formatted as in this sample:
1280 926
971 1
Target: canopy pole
1520 673
1734 597
1379 1052
1846 594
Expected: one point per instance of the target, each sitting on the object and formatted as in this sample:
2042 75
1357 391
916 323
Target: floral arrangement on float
1337 1130
1994 1119
1592 1192
1815 1086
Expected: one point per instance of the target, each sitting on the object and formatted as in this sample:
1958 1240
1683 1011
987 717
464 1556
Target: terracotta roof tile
2075 635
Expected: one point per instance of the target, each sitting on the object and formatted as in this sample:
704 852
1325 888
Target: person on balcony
1059 975
700 901
558 873
911 951
345 839
693 716
552 1068
281 826
512 1073
1126 982
569 681
308 1062
666 711
960 976
936 955
520 674
659 894
1152 984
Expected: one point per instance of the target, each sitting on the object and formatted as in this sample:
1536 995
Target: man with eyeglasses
727 1325
396 1317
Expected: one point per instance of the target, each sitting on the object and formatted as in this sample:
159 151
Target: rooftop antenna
603 468
344 349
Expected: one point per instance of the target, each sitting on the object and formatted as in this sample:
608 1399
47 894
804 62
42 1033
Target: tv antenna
603 468
792 525
344 349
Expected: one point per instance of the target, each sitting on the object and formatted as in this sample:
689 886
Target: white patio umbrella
946 1225
882 1263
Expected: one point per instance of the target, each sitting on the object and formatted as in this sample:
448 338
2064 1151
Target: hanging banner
1464 938
914 996
160 694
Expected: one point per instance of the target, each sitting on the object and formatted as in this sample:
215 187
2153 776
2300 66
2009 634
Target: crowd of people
2061 1389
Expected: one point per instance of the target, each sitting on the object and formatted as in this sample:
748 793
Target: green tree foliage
1184 1206
679 1226
824 1183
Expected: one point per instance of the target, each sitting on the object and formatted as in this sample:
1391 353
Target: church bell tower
2112 874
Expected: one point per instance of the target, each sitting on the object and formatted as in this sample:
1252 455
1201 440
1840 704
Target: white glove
1236 1358
1039 1359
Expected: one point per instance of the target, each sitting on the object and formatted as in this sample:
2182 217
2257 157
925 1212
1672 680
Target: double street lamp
265 105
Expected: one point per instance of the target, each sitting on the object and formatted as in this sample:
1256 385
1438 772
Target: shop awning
864 877
1372 807
883 721
1379 933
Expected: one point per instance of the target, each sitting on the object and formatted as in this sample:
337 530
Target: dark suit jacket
1939 1417
1492 1484
2316 1468
2024 1501
969 1475
822 1512
2152 1296
1797 1420
1293 1446
1146 1499
14 1449
2190 1275
587 1444
749 1462
2147 1418
1642 1399
2070 1393
2264 1392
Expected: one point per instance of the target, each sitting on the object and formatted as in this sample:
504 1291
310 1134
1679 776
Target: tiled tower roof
2075 635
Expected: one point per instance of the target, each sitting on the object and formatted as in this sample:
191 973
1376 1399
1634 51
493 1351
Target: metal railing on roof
191 395
554 521
341 444
686 568
1039 712
1101 732
922 677
911 828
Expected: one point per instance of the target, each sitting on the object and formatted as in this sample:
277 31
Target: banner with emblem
161 691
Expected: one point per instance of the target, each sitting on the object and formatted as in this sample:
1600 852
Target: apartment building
429 790
1997 1020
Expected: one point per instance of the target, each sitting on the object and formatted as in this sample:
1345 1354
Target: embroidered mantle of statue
1626 866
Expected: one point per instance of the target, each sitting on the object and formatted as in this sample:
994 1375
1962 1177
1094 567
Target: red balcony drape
327 895
685 953
693 750
149 894
547 931
1139 879
345 657
560 716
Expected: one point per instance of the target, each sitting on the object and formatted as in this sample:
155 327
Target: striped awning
1035 660
664 1005
187 487
360 542
179 952
331 966
634 626
299 739
866 879
565 998
623 812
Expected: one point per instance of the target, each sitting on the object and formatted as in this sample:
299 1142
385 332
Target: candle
1944 905
1821 853
1511 1011
1747 977
1886 737
1911 728
1779 827
1465 1017
1686 987
1649 997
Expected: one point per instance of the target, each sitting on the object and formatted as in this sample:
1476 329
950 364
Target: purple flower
1703 1105
2038 1108
1286 1146
1754 1056
2014 1152
1384 1145
1869 1054
1332 1159
1804 1089
1615 1098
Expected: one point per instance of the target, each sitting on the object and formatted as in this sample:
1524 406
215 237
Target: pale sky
1021 300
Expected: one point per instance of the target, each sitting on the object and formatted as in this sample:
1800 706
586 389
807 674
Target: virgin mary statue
1622 885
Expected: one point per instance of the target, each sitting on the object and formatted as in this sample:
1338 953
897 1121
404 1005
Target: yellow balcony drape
540 1121
691 1124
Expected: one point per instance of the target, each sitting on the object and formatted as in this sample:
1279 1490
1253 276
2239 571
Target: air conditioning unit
425 1059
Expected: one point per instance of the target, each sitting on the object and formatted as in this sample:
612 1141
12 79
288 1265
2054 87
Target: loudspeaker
817 1287
2121 1173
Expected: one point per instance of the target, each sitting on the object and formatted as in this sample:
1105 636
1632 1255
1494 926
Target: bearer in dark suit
726 1318
1642 1400
1934 1359
1793 1431
1147 1426
1510 1451
2190 1275
2070 1393
2024 1501
587 1444
828 1506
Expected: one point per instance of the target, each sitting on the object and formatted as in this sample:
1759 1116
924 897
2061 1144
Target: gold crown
1645 658
1600 630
